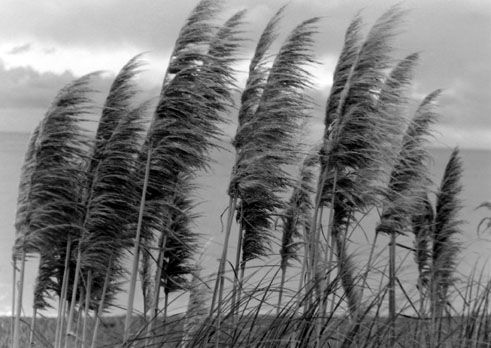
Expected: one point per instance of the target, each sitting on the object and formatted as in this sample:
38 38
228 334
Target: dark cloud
452 36
20 49
25 94
24 87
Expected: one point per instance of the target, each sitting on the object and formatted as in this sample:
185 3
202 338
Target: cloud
451 35
24 87
25 94
50 50
20 49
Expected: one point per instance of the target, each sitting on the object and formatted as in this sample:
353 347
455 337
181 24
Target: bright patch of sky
48 58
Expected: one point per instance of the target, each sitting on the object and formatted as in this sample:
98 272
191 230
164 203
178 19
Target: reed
85 202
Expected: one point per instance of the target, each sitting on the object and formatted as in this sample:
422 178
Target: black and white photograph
255 173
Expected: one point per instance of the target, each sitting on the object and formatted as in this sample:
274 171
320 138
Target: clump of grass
84 202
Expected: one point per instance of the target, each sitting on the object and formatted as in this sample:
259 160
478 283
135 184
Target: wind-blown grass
84 203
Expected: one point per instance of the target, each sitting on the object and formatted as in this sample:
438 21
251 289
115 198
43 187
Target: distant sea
212 201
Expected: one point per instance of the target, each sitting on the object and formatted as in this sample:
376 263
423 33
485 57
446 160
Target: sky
46 44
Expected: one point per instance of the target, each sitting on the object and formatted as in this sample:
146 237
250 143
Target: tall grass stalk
392 288
78 320
408 177
219 286
250 100
238 279
197 309
295 218
86 307
100 309
218 289
360 136
18 310
114 115
63 295
156 292
136 252
196 92
33 327
447 227
71 311
265 141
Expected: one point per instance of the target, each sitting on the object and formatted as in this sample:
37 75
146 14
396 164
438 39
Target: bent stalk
101 306
282 284
86 307
33 327
219 284
18 310
392 294
64 290
136 250
14 291
237 287
158 275
221 267
71 312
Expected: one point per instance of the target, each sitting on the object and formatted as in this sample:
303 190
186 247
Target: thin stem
20 289
166 305
221 268
79 252
280 295
328 257
369 264
315 236
101 304
71 312
64 288
156 291
330 243
392 296
63 310
33 326
14 291
164 319
303 271
241 281
136 250
236 288
319 281
79 317
87 306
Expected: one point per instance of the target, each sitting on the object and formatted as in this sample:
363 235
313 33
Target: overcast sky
45 44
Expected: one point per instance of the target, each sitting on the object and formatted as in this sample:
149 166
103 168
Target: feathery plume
361 138
298 212
423 224
409 180
23 203
59 178
196 93
113 203
118 103
447 228
259 176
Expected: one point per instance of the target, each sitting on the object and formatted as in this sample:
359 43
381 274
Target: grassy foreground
372 332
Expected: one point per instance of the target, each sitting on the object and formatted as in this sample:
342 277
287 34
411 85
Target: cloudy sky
45 44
